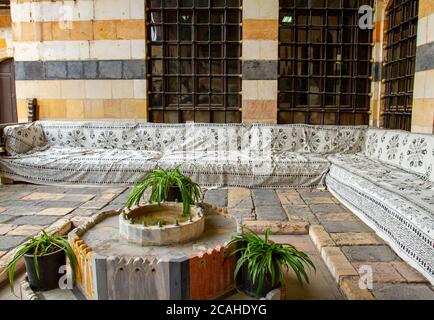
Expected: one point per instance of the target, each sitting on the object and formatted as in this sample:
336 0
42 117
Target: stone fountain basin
155 235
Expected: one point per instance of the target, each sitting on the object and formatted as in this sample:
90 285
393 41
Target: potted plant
43 257
166 185
263 262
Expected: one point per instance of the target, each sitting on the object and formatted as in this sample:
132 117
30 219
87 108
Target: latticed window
325 62
194 49
399 63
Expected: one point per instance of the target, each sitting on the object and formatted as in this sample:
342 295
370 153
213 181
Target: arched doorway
8 106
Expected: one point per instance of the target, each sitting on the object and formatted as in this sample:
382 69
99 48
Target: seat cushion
398 204
236 168
24 138
80 166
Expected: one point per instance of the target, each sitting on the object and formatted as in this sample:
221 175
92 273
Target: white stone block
110 49
137 9
429 87
62 50
25 89
49 11
84 10
251 49
255 9
139 89
250 89
419 85
430 29
138 49
98 89
47 89
20 12
72 89
112 9
422 26
122 89
26 51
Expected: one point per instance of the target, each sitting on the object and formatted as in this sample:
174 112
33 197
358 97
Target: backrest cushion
23 138
409 151
335 139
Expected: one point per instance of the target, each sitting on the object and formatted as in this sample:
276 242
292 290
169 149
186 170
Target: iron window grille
194 65
399 63
325 62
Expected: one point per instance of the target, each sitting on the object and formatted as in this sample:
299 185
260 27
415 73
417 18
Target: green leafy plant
40 246
264 257
160 181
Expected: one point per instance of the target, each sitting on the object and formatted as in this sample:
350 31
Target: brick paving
345 243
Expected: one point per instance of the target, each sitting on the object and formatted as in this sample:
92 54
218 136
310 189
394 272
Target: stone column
423 93
260 60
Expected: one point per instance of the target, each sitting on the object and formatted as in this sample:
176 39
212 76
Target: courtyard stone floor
340 244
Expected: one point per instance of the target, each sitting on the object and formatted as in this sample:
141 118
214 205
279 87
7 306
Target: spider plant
263 259
38 247
160 181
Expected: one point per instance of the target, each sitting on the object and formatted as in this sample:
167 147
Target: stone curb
350 287
320 237
337 263
278 227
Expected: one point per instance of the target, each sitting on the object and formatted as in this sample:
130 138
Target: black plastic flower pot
174 194
251 288
49 266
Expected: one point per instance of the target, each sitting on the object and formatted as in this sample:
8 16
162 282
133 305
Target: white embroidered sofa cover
391 187
121 152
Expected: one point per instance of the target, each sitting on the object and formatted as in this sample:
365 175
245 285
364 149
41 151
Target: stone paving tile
97 205
383 272
402 291
326 208
78 197
320 237
350 286
270 212
312 194
301 242
337 263
2 253
4 218
344 226
2 210
319 200
23 211
5 228
35 220
239 198
289 197
217 197
300 213
11 195
84 212
44 196
10 242
243 213
19 203
370 253
105 197
55 211
410 274
344 216
356 238
59 204
25 230
264 197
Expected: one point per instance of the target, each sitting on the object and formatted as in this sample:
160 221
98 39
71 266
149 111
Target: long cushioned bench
386 177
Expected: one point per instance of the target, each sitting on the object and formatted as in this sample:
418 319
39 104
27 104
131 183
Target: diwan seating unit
386 177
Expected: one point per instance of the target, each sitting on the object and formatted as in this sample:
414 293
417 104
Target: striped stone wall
260 60
6 49
81 59
423 99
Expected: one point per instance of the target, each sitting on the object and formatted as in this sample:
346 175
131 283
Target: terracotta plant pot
49 266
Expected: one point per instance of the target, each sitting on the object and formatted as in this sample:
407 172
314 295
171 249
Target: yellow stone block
104 30
74 109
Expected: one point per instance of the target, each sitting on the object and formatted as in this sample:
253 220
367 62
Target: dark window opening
194 66
324 63
399 63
